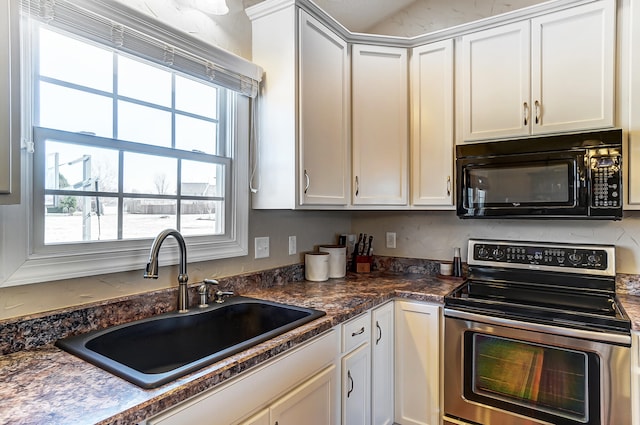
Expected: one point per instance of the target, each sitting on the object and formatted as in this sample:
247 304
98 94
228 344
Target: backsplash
33 331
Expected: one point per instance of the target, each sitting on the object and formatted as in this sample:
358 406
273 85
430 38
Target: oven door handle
610 337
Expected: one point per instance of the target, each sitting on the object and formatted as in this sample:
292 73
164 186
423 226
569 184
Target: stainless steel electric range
536 335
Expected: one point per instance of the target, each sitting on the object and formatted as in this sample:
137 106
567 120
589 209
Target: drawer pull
360 332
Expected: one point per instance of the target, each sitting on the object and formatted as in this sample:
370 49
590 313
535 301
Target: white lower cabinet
356 371
312 403
417 360
368 368
296 384
382 361
356 386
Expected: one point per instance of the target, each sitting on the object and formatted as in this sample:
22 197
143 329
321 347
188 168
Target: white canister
316 266
337 259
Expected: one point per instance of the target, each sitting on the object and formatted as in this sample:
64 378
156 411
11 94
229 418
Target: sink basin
157 350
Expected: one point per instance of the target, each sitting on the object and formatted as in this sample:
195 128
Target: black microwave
577 175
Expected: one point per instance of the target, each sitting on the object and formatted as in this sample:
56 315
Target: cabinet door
356 389
380 117
417 380
382 347
311 403
573 61
432 124
260 418
632 155
494 82
324 112
9 103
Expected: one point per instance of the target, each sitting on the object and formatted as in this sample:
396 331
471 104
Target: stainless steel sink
157 350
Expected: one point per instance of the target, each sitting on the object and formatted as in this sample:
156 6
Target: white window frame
29 263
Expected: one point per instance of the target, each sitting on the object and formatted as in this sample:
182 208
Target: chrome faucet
152 266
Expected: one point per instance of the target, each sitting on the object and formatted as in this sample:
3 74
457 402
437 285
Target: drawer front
356 332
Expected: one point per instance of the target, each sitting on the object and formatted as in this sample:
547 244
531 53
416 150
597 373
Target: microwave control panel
606 179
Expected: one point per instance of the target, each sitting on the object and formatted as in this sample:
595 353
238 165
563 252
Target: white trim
20 265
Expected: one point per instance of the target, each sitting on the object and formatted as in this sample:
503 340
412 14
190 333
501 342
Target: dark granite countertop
49 386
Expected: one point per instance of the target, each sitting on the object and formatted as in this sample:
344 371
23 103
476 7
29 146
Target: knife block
362 263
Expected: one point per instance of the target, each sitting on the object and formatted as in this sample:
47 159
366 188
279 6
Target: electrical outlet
262 247
391 239
292 245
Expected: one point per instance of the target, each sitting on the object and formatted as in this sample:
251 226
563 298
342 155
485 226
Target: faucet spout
151 271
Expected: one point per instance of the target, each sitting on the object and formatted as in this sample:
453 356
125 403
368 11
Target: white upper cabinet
324 115
494 82
552 73
632 155
380 125
432 124
573 64
302 151
9 103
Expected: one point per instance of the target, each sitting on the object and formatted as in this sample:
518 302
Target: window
135 128
124 148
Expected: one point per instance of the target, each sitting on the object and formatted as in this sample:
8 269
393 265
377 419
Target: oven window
547 379
541 183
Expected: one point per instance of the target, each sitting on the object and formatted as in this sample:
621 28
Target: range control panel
527 254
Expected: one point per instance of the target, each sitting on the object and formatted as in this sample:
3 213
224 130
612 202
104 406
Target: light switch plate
292 245
391 239
262 247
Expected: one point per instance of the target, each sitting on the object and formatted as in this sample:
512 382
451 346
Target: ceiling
355 15
367 15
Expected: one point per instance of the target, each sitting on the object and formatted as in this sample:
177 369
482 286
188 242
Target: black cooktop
559 307
556 284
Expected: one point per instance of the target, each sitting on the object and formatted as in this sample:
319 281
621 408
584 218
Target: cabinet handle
448 185
526 114
350 384
537 104
379 332
306 181
360 332
357 186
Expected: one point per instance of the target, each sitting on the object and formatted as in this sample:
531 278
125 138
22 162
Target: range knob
575 258
594 259
483 252
498 253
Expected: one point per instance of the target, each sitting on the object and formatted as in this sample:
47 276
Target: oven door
547 184
510 375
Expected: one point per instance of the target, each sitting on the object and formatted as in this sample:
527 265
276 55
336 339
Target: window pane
72 110
81 218
202 179
145 218
142 124
194 134
196 98
144 82
150 174
67 59
201 217
79 167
